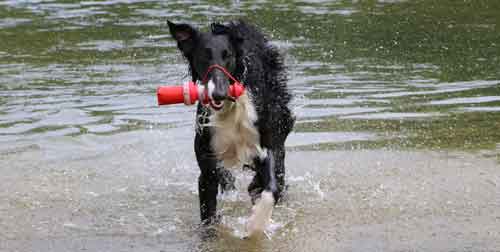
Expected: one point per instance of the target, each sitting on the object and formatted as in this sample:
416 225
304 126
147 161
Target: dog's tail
261 214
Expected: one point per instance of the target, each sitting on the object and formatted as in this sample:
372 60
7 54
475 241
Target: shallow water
396 148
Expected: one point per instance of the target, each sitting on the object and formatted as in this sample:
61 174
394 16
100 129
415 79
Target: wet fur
252 130
235 138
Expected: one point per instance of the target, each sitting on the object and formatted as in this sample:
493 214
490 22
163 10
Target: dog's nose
219 94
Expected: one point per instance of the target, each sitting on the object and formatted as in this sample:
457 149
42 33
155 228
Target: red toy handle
189 93
236 90
169 95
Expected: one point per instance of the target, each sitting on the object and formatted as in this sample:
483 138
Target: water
396 148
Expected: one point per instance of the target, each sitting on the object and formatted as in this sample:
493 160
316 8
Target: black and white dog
250 130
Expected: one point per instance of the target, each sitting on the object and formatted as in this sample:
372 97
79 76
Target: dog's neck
235 138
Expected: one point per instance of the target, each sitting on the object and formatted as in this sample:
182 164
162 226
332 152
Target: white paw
261 215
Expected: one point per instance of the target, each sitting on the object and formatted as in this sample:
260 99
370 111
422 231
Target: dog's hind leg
279 169
284 126
226 178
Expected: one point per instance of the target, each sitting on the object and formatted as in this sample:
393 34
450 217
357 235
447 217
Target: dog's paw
212 221
261 215
282 194
226 180
227 187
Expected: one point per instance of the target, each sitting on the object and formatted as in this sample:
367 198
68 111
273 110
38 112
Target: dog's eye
226 54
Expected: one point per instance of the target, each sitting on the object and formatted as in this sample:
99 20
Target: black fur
246 53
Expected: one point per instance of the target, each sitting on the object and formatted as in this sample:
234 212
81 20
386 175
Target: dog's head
204 49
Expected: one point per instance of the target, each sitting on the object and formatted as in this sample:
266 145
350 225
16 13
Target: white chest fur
235 138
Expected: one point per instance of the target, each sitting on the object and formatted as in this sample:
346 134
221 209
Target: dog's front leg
209 180
266 187
266 171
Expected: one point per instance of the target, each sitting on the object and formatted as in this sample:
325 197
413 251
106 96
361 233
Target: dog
248 131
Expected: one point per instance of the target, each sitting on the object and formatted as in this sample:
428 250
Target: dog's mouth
217 105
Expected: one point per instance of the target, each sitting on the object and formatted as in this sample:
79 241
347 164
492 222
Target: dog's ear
218 28
185 35
231 30
237 31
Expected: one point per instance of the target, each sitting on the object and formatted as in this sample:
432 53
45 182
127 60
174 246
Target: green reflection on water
461 38
457 131
455 40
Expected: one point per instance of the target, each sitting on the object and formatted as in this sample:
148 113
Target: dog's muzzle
215 102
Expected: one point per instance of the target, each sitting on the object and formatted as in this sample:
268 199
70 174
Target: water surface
396 147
